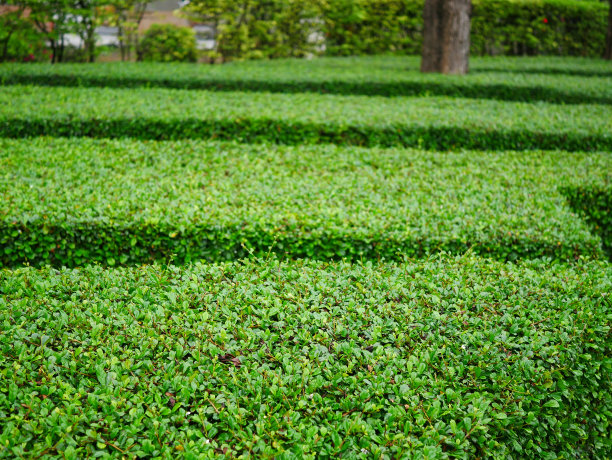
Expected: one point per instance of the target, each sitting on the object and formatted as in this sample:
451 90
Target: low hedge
508 79
429 123
594 202
442 358
71 202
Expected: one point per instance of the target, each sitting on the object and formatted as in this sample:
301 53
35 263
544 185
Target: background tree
446 38
52 19
250 29
127 16
85 16
11 21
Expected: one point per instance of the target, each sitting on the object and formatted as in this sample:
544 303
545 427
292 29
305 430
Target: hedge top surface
73 104
505 202
446 357
566 80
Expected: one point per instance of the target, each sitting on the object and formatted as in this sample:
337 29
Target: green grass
445 357
67 202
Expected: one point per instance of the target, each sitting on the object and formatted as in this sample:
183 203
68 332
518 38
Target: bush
118 202
593 201
550 79
430 123
532 27
168 43
26 44
261 29
355 27
264 28
457 358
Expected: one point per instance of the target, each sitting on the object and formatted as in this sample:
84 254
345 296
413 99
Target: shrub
429 123
532 27
457 358
259 28
593 201
125 202
545 79
168 43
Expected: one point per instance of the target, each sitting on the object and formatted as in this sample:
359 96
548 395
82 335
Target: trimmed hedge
429 123
72 202
594 202
507 79
442 358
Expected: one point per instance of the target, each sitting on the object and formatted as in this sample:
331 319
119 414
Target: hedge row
594 202
429 123
71 202
278 28
442 358
379 76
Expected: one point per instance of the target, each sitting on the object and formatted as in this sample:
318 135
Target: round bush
168 43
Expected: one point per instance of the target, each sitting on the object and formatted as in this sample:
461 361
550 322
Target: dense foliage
277 28
67 202
168 290
556 80
255 29
593 200
530 27
447 357
168 43
428 122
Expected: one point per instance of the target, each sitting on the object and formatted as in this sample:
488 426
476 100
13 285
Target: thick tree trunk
446 39
608 52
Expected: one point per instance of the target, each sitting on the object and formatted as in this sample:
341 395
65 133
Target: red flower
545 21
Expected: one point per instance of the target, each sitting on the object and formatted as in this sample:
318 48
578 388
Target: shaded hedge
594 202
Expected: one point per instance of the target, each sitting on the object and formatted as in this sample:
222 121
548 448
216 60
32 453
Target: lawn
336 257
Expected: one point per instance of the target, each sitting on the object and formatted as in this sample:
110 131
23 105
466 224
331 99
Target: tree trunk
446 38
608 52
5 44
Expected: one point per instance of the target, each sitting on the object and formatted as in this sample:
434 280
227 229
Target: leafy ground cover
511 79
67 202
432 122
426 302
444 357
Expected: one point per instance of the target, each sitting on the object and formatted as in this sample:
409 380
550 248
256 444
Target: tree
11 20
128 15
51 18
608 52
249 29
446 39
86 15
